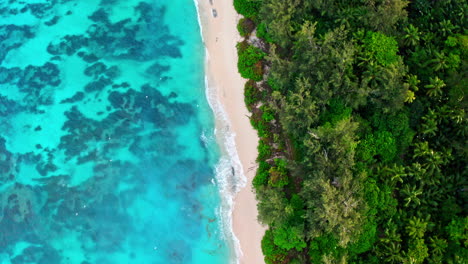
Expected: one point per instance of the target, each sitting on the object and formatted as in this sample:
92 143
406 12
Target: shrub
245 26
264 150
252 94
273 84
366 239
250 61
262 175
247 8
289 237
279 174
261 127
267 113
323 245
337 111
297 204
385 145
381 144
263 34
381 47
273 253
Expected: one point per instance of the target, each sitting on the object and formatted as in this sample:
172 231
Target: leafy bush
273 84
297 203
289 237
247 8
458 230
381 47
252 94
264 150
267 113
279 174
387 203
381 143
263 34
262 175
250 61
245 26
385 146
273 254
367 238
336 111
319 246
261 127
398 124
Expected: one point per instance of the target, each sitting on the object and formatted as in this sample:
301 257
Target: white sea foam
229 172
230 176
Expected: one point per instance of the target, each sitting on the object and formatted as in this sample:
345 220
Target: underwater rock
89 58
6 161
9 107
95 69
78 96
68 45
157 70
97 85
34 78
53 21
12 37
44 168
113 72
40 10
99 15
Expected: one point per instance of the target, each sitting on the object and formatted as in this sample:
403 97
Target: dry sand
220 36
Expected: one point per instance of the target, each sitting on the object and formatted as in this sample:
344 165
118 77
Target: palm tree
343 18
413 82
433 195
429 126
439 62
434 88
433 162
411 194
438 245
421 149
416 227
391 233
409 96
412 86
446 27
373 75
393 253
411 37
393 174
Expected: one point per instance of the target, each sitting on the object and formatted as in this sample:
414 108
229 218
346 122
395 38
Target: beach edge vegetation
360 109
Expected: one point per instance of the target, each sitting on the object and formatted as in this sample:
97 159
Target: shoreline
237 138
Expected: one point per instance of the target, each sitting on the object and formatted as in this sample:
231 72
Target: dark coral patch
34 78
95 69
78 96
53 21
68 45
12 37
98 85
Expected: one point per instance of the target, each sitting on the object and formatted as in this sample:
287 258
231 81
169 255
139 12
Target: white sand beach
220 36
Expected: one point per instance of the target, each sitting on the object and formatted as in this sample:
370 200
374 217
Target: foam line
230 175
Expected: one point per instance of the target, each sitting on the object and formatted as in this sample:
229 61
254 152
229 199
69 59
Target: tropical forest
360 108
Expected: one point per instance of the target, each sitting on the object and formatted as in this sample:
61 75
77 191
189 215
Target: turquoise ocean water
107 153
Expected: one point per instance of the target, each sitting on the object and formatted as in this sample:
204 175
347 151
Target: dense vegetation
361 112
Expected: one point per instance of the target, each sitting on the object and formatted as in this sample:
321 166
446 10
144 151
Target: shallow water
106 146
